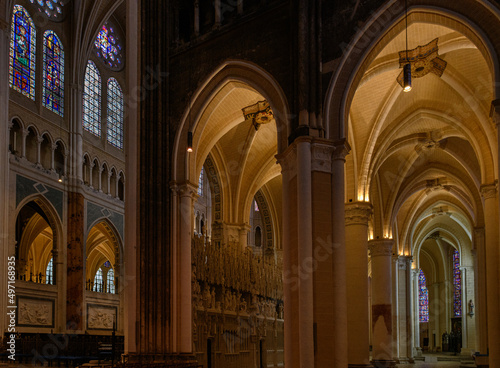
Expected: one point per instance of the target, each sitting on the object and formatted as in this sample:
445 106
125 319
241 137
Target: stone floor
442 360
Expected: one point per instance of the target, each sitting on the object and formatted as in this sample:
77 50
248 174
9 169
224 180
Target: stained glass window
53 73
200 183
22 53
256 206
98 281
457 285
115 113
108 46
92 100
110 281
49 273
53 9
423 298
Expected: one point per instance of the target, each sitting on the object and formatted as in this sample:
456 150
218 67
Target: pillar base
383 363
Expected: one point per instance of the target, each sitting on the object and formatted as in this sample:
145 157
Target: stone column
480 287
340 358
286 162
381 257
25 134
184 316
417 349
403 309
305 252
489 193
131 195
5 249
357 216
39 141
100 169
243 235
75 280
54 147
91 167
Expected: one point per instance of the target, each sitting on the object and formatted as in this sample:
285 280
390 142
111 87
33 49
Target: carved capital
26 132
39 139
380 247
342 149
489 191
495 112
288 161
322 157
358 213
404 262
187 190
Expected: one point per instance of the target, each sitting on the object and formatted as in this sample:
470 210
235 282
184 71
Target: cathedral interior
249 183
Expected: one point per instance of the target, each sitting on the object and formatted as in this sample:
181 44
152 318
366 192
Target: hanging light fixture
407 66
190 142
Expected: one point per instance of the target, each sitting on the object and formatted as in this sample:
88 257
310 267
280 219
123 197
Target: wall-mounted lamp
471 308
190 142
60 179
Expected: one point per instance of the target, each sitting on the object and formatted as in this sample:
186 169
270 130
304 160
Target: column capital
489 190
187 190
495 112
342 149
404 262
380 247
358 213
288 160
322 152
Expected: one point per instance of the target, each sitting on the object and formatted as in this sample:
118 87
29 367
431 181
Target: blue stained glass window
92 100
200 183
53 73
22 53
49 273
98 281
457 285
53 9
423 298
115 113
110 281
108 46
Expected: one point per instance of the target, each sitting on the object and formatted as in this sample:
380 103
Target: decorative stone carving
322 157
404 262
35 312
342 149
358 213
288 161
495 112
100 317
380 247
489 191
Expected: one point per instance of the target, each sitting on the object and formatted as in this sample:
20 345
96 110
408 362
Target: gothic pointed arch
38 238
